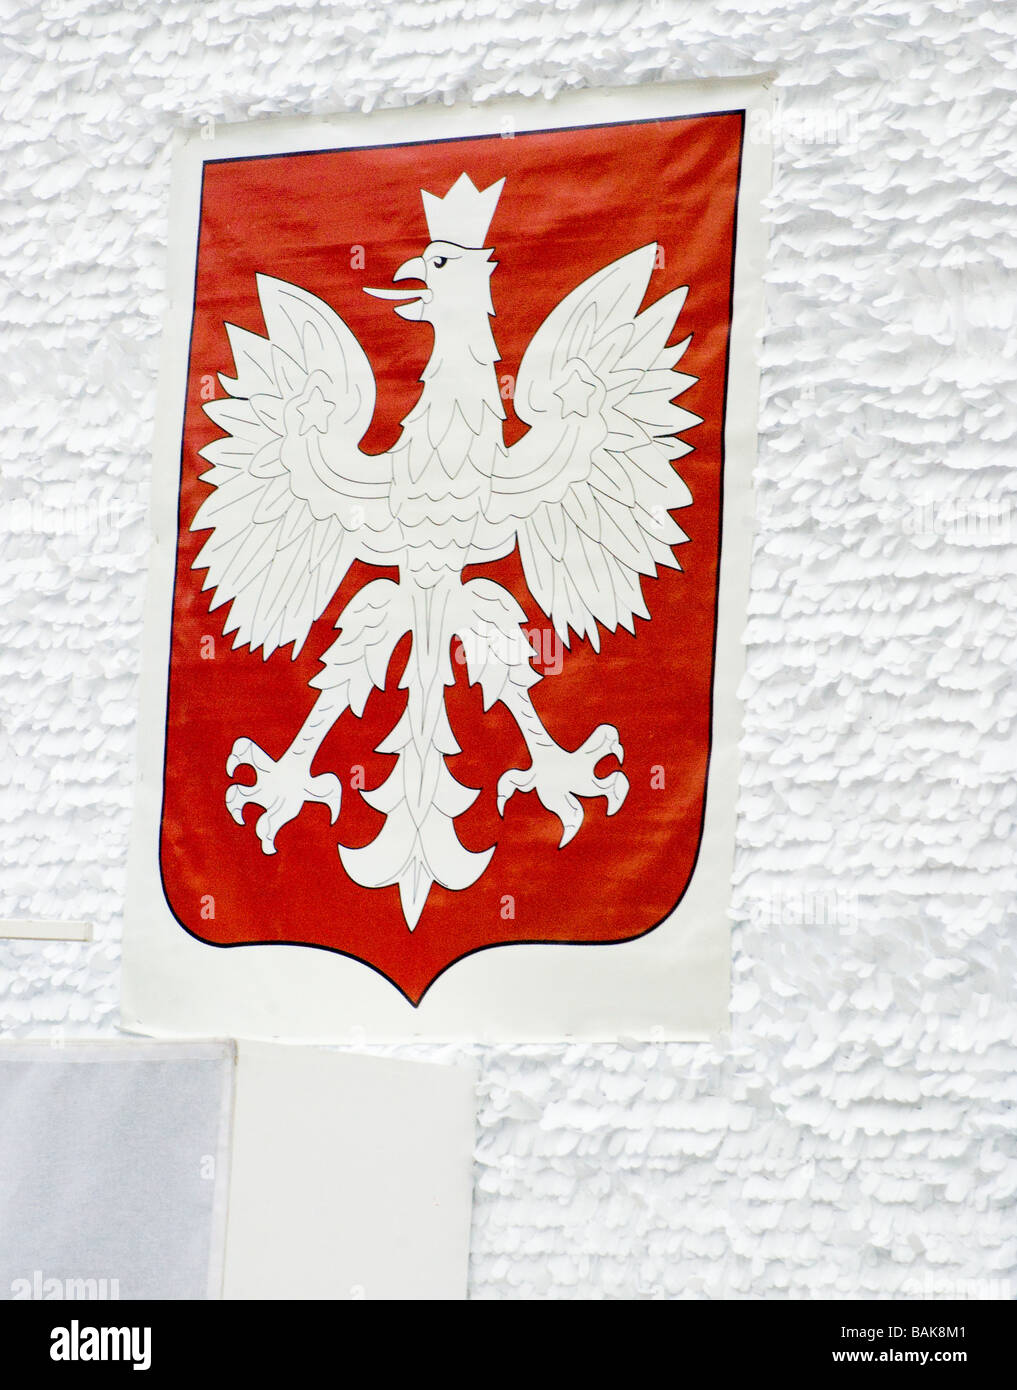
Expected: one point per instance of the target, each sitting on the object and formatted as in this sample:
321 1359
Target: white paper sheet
351 1177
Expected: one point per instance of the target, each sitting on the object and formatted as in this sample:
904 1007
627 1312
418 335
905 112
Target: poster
451 532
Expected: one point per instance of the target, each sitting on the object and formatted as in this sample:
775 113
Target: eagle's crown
464 215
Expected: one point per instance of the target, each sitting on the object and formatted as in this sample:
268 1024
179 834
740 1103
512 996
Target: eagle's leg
560 777
371 625
284 785
498 656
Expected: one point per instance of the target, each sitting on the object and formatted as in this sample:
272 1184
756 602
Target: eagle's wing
295 499
590 487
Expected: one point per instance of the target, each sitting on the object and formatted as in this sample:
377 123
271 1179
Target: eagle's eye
439 261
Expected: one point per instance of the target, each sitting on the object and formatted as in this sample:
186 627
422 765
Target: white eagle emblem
586 494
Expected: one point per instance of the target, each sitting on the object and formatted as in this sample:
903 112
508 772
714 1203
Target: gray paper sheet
114 1163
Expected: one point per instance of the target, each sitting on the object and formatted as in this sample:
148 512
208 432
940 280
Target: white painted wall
856 1134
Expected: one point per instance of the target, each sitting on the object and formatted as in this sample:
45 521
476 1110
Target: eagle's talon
515 780
571 815
246 751
281 787
616 789
235 802
560 778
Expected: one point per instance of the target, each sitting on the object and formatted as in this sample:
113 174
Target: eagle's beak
414 269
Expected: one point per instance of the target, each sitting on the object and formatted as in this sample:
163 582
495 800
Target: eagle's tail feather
420 799
417 846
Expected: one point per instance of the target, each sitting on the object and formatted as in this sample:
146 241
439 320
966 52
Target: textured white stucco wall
856 1133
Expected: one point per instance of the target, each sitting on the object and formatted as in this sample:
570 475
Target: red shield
334 222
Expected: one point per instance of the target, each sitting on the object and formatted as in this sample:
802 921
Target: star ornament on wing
575 394
586 498
314 411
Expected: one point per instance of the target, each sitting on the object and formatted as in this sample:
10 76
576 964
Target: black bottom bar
174 1341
